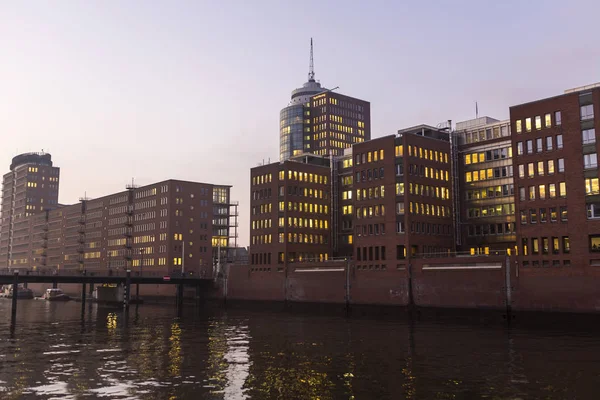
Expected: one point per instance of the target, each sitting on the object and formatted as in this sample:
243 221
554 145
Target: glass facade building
291 131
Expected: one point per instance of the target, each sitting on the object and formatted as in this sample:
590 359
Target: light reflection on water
239 355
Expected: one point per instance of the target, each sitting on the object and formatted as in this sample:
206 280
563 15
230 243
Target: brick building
153 229
402 197
486 207
30 187
555 147
290 211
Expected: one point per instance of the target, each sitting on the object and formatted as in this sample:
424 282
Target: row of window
428 209
369 174
489 173
489 155
551 193
294 222
423 171
262 239
506 228
370 156
368 194
303 177
545 245
262 179
490 192
145 193
427 154
533 215
262 194
424 190
262 209
427 228
543 168
538 122
539 145
491 211
306 238
487 134
304 207
303 192
370 211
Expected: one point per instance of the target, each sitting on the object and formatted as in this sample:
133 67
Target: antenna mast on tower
311 67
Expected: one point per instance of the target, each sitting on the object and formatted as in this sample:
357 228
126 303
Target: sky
192 90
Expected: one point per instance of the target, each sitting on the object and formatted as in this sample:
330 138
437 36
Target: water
241 354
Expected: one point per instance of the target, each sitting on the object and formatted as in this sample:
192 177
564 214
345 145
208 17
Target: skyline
145 70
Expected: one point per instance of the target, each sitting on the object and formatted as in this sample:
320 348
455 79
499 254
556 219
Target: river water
240 354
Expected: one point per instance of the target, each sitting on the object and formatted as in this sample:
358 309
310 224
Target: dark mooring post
25 283
198 299
54 285
127 290
411 299
15 295
83 294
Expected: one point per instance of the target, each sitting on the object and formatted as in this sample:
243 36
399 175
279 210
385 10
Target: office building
154 229
556 177
290 211
30 187
486 207
321 121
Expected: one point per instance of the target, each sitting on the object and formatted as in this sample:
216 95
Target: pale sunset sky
192 89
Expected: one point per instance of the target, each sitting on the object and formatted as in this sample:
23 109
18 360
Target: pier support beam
127 293
15 295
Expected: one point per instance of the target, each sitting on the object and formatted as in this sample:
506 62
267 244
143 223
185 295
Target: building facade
290 211
30 187
555 147
154 229
486 207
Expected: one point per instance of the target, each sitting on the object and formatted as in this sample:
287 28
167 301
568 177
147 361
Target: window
540 168
553 214
588 136
523 217
538 122
587 112
559 142
535 246
545 245
555 246
563 214
531 192
591 186
542 191
566 244
530 170
528 124
550 167
518 126
548 143
520 148
543 215
538 145
548 120
530 147
557 118
552 190
533 215
590 160
595 243
593 210
522 194
562 189
521 171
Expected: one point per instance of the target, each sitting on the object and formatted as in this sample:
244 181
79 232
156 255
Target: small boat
22 292
55 295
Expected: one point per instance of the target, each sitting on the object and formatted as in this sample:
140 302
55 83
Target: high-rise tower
30 187
320 121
